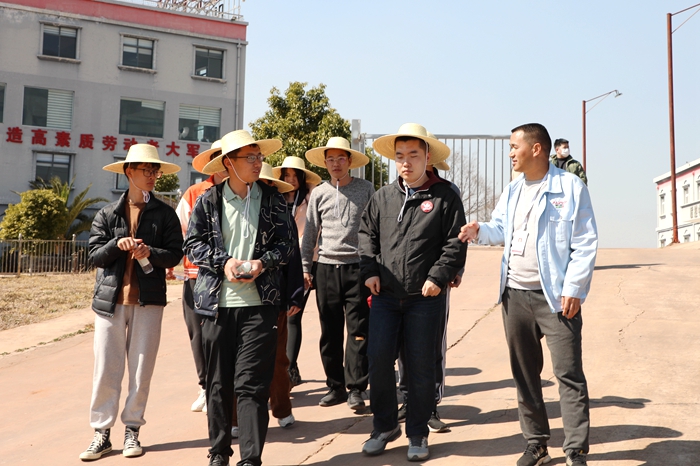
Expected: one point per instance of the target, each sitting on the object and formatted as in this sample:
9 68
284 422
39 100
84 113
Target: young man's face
411 160
522 153
246 170
563 150
144 176
337 163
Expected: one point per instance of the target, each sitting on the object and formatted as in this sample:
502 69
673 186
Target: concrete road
641 351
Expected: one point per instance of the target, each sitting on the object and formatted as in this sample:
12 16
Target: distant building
688 208
82 80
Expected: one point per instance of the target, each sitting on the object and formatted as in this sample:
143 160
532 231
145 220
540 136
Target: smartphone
244 276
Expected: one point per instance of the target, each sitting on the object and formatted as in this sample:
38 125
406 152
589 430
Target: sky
484 67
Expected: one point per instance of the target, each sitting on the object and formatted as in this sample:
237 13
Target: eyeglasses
341 160
149 172
252 158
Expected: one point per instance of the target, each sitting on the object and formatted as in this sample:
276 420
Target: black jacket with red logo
423 245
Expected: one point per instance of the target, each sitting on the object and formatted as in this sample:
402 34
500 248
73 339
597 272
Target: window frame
662 205
48 110
198 125
3 88
208 48
78 34
120 176
71 158
122 66
148 135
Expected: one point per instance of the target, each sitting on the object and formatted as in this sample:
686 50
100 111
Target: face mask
565 152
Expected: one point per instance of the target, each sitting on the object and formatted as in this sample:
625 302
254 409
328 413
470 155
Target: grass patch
30 299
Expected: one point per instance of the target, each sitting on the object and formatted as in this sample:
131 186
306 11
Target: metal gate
479 166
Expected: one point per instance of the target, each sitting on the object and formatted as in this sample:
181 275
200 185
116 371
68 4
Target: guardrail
22 256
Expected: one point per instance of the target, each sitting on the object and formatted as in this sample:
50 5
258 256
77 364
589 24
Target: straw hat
235 140
297 163
142 153
386 145
440 165
204 157
317 155
267 174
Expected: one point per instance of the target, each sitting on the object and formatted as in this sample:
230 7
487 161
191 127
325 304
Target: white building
82 80
688 205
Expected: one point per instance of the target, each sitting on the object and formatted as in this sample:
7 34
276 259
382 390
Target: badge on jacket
426 206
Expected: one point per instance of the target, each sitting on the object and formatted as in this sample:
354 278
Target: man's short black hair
423 144
325 153
536 133
559 142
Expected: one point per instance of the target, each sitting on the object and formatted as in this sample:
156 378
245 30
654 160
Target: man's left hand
570 306
456 282
430 289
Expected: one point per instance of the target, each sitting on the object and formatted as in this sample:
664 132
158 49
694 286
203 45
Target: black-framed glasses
252 158
149 172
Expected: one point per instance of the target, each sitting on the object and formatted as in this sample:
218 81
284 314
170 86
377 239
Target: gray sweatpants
132 335
526 319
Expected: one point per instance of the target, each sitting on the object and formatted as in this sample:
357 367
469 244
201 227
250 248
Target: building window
60 41
137 52
196 177
697 188
208 63
122 182
50 108
2 101
686 193
662 205
141 117
50 165
199 123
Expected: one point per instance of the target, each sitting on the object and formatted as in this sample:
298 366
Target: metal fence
43 256
479 167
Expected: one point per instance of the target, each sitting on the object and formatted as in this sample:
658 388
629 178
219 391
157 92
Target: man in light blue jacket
545 221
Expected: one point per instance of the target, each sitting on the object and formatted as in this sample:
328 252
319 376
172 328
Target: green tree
38 215
167 183
302 120
74 219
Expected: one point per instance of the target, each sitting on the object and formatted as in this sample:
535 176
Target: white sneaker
286 421
234 432
200 403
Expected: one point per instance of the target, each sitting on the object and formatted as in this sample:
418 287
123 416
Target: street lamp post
671 118
601 96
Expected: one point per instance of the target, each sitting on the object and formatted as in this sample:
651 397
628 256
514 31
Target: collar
432 179
230 196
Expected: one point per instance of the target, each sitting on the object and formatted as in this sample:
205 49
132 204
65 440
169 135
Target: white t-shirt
523 273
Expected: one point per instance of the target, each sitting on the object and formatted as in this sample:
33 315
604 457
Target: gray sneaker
376 443
576 458
418 449
534 455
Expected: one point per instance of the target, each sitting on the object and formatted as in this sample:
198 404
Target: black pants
194 329
342 301
294 332
240 346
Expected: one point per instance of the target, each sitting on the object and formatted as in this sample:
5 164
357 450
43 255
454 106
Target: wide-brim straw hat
142 153
203 158
267 174
297 163
440 165
386 145
317 155
235 140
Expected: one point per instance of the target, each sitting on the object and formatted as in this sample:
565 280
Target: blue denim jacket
567 236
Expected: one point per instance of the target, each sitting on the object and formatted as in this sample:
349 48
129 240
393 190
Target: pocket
560 228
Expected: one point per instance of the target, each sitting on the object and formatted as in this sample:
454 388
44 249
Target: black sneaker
132 447
576 458
435 424
355 400
402 412
294 376
334 397
216 459
100 446
535 455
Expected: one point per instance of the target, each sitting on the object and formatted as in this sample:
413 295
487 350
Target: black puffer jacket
424 245
158 227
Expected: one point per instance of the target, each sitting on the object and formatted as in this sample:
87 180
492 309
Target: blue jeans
414 321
